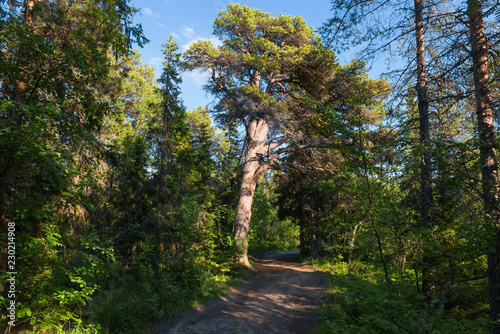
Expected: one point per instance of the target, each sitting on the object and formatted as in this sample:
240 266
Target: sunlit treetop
267 67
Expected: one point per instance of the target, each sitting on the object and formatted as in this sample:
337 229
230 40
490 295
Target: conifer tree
271 75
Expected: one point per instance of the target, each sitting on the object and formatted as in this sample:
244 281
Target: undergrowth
132 304
135 302
360 301
272 246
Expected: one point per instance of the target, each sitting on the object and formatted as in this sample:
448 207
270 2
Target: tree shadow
283 296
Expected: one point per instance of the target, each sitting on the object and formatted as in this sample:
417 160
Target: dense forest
120 208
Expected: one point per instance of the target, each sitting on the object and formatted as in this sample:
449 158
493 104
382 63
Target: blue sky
191 20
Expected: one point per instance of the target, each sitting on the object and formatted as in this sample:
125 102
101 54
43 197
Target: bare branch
277 144
297 148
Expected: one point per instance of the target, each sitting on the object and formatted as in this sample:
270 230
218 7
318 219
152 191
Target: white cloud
174 35
187 31
149 12
215 42
156 63
196 77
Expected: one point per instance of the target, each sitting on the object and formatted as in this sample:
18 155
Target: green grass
135 306
266 246
219 284
360 301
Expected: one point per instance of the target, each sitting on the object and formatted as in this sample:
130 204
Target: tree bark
357 228
488 155
426 200
423 111
257 130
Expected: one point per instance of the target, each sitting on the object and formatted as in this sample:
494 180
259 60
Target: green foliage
164 224
57 280
124 202
282 53
117 310
360 302
267 231
120 311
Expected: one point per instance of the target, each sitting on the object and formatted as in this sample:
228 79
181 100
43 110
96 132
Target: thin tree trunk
423 111
257 130
357 228
370 210
489 165
304 236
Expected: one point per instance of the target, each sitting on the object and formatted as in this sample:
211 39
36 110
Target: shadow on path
281 297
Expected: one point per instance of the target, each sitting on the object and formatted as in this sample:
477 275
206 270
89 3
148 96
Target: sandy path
281 297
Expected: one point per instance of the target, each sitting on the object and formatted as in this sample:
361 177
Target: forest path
282 296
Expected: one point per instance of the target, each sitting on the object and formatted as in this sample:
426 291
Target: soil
281 296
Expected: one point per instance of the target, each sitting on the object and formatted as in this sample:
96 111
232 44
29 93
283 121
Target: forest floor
282 295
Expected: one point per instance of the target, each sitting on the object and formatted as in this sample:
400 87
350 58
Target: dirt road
281 297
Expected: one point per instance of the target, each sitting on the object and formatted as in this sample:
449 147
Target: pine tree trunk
423 111
489 166
257 130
